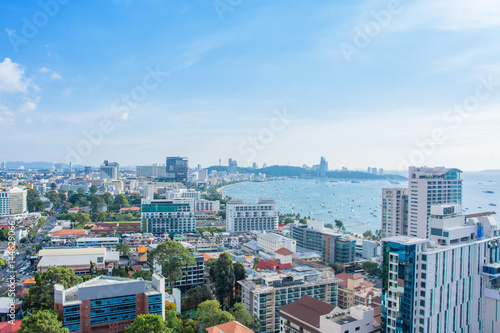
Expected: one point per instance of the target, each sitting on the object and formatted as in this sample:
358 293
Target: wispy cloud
53 75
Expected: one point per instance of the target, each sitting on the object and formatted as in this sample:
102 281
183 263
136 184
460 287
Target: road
20 258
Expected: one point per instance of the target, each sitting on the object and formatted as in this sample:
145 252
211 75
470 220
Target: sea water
357 205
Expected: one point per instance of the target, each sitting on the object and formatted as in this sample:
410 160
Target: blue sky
365 83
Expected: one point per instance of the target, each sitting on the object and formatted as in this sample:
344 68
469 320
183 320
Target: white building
13 201
394 211
369 249
207 205
428 187
241 217
450 283
110 170
152 171
271 242
183 193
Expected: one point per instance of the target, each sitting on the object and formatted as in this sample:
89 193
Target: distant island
298 172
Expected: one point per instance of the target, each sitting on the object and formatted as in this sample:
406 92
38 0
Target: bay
357 205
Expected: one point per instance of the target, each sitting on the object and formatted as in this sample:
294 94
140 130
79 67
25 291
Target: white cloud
451 15
68 91
12 77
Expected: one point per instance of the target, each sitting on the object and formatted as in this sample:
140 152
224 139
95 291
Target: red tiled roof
284 251
7 327
273 264
230 327
307 309
71 232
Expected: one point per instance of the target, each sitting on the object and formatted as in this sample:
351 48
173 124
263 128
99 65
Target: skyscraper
177 169
427 187
232 167
110 170
448 283
323 168
394 211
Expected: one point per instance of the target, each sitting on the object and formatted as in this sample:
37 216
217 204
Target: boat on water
488 192
492 204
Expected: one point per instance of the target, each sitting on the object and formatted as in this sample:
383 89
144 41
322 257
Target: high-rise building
262 296
427 187
109 304
323 168
177 169
369 170
232 167
168 216
88 170
381 172
241 217
2 165
374 171
394 211
330 244
448 283
13 201
255 166
110 170
151 171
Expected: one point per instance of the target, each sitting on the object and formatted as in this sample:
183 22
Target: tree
93 189
303 221
148 323
101 215
371 268
41 221
171 257
53 186
339 224
46 321
222 276
256 262
196 296
367 234
170 306
2 262
145 275
4 234
121 201
123 248
96 203
239 274
241 315
81 190
337 268
209 314
82 218
41 295
107 197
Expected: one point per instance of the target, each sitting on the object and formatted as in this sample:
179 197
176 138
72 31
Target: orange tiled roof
71 232
142 249
230 327
206 257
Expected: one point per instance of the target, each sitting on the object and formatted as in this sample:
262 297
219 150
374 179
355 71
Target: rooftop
307 309
230 327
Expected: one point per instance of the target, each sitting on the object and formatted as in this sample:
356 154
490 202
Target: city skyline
387 82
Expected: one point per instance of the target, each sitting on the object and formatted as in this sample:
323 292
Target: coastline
220 188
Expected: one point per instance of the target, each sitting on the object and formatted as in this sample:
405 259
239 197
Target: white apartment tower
13 201
394 211
448 283
242 217
428 187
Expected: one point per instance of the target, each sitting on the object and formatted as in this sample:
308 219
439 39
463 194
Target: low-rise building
77 259
355 290
272 242
109 304
108 242
309 315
